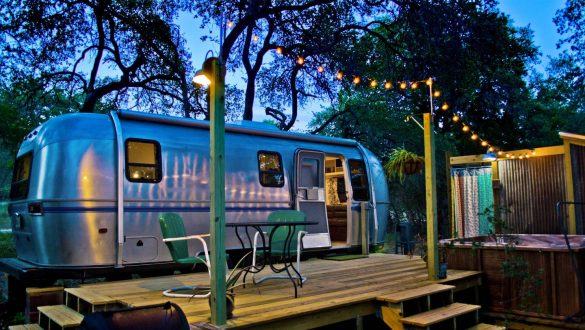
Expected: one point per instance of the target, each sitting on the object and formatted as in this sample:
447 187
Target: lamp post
214 71
431 190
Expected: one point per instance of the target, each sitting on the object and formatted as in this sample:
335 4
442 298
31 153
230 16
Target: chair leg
171 292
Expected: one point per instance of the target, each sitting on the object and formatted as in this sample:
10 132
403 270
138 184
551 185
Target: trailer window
143 161
270 168
21 176
359 180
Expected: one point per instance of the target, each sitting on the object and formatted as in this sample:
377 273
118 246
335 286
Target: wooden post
450 210
431 199
217 187
569 187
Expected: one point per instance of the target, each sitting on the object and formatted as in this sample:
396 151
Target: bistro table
268 257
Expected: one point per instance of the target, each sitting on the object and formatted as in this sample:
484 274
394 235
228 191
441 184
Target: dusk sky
538 14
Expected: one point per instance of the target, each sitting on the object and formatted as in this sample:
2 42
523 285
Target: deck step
422 291
32 326
84 301
484 326
62 315
440 314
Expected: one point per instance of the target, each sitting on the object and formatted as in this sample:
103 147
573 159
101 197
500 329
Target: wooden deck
335 291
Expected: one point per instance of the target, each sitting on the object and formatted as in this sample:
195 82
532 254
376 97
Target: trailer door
310 196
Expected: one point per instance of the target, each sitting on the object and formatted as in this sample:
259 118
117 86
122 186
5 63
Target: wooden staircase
78 301
429 307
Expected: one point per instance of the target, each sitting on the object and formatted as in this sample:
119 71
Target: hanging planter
402 163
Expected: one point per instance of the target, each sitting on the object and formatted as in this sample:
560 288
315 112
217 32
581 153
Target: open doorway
336 196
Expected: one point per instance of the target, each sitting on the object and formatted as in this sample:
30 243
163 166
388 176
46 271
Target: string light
403 85
230 24
255 38
500 153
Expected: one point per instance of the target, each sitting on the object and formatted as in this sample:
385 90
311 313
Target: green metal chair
174 236
278 240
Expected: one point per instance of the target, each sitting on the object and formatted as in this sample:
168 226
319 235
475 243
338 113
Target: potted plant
402 162
231 282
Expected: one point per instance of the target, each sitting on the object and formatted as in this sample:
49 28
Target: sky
538 14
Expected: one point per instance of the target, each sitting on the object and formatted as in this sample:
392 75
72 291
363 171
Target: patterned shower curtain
472 194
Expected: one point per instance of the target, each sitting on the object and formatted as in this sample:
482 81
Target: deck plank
351 286
440 314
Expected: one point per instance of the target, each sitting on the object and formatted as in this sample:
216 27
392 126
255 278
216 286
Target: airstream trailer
88 189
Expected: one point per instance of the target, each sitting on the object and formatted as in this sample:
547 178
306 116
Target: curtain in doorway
472 194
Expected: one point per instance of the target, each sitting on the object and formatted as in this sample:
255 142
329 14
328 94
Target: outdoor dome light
203 76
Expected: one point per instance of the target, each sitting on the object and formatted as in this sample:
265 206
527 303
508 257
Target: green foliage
7 248
401 163
570 23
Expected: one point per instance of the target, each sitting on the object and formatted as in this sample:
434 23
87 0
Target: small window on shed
20 177
359 180
270 168
143 161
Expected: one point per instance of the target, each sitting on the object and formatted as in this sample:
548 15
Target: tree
570 21
296 28
72 46
478 62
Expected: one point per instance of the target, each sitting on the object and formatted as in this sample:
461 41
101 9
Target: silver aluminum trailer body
89 188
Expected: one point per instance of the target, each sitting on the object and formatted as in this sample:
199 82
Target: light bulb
437 93
465 128
230 24
491 149
474 136
402 85
278 50
255 38
320 69
445 106
429 81
300 60
339 75
414 85
388 85
356 80
455 118
373 83
484 143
